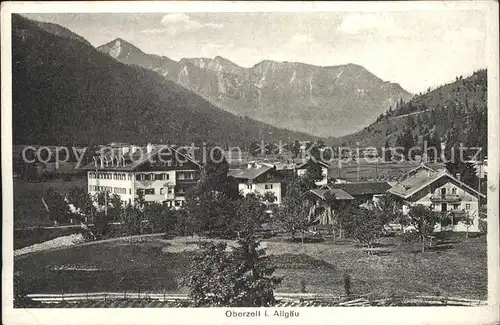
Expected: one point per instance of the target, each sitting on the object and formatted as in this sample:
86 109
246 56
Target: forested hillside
454 113
65 91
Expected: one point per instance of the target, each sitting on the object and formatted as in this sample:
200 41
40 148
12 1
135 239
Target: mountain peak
118 47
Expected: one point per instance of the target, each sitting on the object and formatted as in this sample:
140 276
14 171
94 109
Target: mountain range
451 114
323 101
65 91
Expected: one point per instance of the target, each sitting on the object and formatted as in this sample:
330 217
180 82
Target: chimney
457 176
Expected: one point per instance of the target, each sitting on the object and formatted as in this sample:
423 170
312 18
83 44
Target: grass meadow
158 265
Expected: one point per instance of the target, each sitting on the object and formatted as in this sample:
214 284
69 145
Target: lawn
158 265
28 207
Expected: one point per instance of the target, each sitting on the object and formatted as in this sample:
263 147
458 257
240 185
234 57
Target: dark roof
303 165
363 188
339 194
249 173
132 160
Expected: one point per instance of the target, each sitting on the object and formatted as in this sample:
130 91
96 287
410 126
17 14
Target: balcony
446 198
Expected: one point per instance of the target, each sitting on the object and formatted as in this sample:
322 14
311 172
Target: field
28 207
157 265
369 171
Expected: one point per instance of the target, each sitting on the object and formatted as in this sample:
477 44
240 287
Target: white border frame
353 315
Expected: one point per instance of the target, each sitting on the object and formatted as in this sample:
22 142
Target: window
163 190
433 206
114 176
456 206
129 191
454 190
166 177
177 203
149 191
140 191
467 206
249 186
268 186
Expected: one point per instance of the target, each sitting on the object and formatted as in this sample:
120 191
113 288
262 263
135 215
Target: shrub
483 226
240 278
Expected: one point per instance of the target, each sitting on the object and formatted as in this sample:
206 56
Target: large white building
162 174
444 193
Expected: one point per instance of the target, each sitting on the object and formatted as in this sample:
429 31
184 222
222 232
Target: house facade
160 174
258 179
300 170
444 193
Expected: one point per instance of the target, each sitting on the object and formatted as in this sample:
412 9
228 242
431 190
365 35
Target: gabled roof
339 194
302 165
367 188
134 160
416 169
249 173
422 177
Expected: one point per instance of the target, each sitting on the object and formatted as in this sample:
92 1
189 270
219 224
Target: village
128 190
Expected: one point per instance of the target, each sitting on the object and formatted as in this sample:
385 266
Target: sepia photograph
240 159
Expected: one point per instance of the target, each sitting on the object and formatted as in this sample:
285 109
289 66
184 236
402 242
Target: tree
240 278
115 208
466 170
422 219
56 206
387 152
295 149
213 212
295 186
293 216
215 178
160 217
250 214
364 225
269 197
132 219
468 221
81 200
314 173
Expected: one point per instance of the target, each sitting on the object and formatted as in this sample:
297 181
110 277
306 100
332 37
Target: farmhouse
321 209
301 169
162 174
444 193
260 179
364 192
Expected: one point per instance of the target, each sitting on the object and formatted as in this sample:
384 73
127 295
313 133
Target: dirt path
95 242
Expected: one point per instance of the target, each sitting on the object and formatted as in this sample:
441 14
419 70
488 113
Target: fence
283 299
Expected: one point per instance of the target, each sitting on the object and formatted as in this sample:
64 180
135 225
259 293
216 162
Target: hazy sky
416 49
